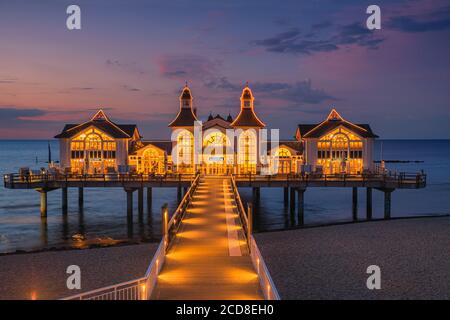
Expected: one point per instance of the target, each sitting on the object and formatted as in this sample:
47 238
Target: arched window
340 151
215 143
247 151
152 161
185 147
339 146
283 153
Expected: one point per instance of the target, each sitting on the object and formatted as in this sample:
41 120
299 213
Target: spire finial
246 84
185 83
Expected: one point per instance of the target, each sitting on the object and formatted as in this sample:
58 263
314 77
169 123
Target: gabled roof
333 121
101 122
165 145
293 144
216 121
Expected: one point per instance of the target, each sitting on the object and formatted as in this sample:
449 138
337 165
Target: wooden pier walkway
209 258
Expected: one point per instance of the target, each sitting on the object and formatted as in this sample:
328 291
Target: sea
103 221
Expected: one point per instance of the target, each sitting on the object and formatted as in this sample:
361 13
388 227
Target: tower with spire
248 135
187 115
183 129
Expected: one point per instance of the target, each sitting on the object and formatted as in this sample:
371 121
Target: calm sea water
104 216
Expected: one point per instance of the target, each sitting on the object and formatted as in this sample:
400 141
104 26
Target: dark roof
229 118
184 118
118 131
161 144
247 118
165 145
293 144
318 130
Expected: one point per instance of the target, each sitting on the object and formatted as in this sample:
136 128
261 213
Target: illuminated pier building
102 146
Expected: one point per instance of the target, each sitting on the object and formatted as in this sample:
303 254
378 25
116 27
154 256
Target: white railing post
165 221
249 224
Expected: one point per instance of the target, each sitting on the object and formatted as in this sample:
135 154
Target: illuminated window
185 147
283 153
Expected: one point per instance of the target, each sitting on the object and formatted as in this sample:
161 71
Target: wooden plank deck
209 259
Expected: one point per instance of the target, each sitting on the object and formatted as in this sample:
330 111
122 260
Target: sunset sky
301 58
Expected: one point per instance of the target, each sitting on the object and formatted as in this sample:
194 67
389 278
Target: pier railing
175 221
265 280
142 288
398 179
138 289
117 177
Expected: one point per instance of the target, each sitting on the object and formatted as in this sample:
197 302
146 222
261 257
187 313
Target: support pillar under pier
141 201
178 194
286 196
292 201
369 203
149 199
256 194
301 206
129 202
355 203
80 197
64 200
387 203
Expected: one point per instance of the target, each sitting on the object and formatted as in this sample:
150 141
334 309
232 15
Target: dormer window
247 104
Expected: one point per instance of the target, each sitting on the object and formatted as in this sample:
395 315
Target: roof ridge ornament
100 115
334 115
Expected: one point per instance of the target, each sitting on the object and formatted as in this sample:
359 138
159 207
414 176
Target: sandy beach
45 272
327 262
330 262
